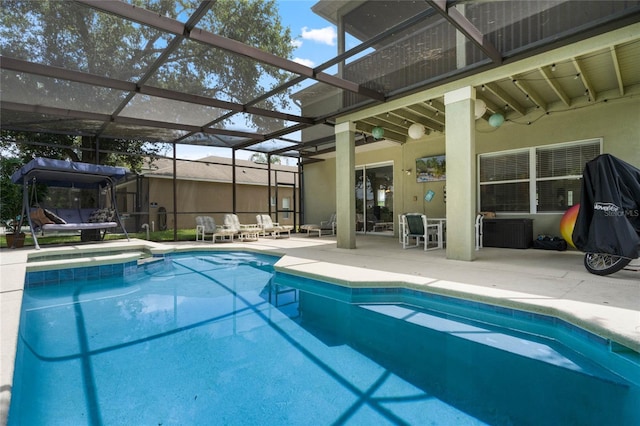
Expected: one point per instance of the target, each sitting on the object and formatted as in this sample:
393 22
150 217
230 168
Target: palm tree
261 158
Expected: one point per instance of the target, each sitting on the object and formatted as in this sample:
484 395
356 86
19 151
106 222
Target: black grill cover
609 216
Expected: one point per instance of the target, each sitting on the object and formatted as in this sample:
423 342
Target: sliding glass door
374 199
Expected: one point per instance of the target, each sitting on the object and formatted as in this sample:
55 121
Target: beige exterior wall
319 182
212 199
616 122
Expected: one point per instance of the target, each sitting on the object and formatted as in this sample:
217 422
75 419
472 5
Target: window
504 182
559 174
374 196
286 205
507 180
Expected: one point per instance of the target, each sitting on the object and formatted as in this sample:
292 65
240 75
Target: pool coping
609 322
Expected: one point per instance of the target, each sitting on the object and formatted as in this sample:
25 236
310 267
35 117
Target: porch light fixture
377 132
496 120
416 131
480 109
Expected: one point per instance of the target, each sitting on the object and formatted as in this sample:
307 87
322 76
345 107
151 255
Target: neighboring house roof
218 169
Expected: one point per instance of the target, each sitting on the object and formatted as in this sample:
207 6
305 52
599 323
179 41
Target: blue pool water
219 339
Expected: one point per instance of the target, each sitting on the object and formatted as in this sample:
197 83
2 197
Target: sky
315 42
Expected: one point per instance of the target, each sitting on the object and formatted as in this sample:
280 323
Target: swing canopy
69 174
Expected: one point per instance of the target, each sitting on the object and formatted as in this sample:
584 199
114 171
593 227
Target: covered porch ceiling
525 59
603 69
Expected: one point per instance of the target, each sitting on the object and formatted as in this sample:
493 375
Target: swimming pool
219 338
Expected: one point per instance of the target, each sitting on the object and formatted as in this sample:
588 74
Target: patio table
442 221
250 232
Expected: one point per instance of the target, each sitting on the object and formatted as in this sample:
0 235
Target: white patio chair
244 232
274 228
416 226
401 228
206 225
479 231
329 225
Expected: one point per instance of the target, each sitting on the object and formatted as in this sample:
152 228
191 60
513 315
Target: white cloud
326 35
296 43
306 62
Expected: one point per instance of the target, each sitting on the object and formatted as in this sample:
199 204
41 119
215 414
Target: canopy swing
69 174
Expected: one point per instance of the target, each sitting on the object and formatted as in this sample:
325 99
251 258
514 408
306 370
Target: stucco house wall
214 199
616 122
204 187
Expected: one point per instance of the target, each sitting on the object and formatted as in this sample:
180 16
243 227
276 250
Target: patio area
549 282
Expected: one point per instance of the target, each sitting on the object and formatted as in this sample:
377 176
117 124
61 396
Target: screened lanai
408 45
62 73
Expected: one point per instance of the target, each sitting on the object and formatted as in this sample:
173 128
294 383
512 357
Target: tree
27 145
10 193
73 36
261 158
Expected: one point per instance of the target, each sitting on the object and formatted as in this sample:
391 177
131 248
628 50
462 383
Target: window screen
506 179
505 197
565 160
502 167
504 182
559 174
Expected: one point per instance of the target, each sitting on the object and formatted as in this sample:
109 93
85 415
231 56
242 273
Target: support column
345 185
461 173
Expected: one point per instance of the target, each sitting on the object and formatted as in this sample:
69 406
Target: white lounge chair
274 228
206 225
244 232
329 225
325 225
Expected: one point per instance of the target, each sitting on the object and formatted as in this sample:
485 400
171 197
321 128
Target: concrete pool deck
548 282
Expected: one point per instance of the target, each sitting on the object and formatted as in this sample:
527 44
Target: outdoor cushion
101 215
39 218
54 217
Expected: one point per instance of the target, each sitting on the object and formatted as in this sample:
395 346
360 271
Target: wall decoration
431 169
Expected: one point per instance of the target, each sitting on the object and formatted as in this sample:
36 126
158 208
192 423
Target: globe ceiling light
416 131
496 120
377 132
480 109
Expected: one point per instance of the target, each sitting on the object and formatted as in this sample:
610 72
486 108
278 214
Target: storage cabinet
507 233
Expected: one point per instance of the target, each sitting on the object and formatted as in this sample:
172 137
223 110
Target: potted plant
11 202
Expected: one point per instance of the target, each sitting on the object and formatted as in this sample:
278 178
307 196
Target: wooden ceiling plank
379 121
388 134
429 124
421 109
491 106
435 105
616 66
553 83
530 93
590 92
506 98
393 119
